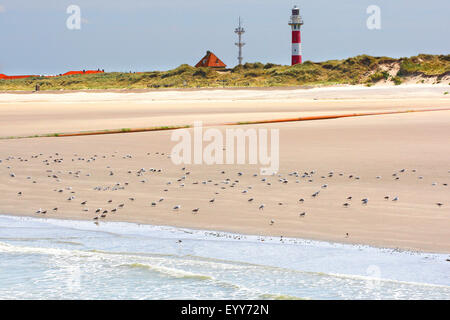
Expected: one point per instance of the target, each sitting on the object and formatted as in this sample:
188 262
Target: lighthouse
296 22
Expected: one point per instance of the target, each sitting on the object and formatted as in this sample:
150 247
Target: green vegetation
357 70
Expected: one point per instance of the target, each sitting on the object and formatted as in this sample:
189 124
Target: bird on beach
195 210
261 207
303 214
395 199
346 204
365 200
212 200
439 204
272 222
250 200
177 207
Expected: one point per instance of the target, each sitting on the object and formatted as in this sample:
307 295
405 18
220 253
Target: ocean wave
275 296
175 273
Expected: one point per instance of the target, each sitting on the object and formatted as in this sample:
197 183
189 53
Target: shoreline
230 235
235 234
236 265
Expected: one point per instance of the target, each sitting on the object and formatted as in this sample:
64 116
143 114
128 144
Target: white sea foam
81 260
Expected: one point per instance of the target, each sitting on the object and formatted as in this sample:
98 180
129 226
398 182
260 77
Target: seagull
153 204
55 209
84 203
212 200
303 214
272 222
395 199
301 200
349 198
365 200
439 204
386 198
250 200
121 205
177 207
261 207
195 210
19 193
346 204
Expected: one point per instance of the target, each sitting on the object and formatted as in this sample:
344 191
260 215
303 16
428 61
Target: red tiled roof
5 77
210 60
81 72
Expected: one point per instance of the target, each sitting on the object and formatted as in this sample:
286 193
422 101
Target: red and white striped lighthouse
296 22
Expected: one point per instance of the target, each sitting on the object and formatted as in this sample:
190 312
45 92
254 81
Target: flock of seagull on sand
230 180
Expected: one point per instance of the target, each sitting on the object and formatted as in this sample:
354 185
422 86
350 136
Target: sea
67 259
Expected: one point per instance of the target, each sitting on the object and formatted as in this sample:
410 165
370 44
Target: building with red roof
211 61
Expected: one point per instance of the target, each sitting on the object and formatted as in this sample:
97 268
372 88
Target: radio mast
240 31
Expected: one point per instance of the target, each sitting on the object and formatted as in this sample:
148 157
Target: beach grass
361 69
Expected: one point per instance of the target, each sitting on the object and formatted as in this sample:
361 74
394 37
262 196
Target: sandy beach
397 155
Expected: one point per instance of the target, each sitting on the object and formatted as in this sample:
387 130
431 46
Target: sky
145 35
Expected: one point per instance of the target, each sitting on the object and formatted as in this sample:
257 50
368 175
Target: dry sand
364 147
